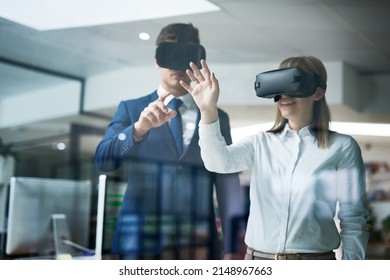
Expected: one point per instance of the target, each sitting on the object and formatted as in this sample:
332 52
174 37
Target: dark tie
176 124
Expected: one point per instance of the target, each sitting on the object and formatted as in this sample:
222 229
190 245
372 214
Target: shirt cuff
209 129
136 140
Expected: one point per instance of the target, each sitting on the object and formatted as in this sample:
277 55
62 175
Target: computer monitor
43 212
3 206
114 191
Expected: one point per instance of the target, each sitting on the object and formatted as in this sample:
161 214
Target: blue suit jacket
167 194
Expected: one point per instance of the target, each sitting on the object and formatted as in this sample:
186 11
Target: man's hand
155 115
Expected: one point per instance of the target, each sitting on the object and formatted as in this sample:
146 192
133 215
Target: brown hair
172 31
321 113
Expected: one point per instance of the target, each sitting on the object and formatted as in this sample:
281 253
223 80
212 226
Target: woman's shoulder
341 136
344 140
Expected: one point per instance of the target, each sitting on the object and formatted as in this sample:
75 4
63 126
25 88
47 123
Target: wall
357 94
51 102
236 82
379 95
364 93
107 90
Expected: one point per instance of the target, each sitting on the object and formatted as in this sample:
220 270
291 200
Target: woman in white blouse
301 172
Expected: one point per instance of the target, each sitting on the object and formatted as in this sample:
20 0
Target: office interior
59 87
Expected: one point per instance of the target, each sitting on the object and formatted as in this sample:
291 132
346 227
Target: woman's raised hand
205 91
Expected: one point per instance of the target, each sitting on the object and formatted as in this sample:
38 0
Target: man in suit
167 211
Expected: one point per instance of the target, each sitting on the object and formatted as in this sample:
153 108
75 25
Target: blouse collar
303 132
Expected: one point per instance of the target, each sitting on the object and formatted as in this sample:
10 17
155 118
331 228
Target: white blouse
294 189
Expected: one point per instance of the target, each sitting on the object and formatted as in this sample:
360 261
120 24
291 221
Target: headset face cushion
178 55
293 82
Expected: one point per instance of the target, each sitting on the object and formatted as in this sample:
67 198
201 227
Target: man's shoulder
142 100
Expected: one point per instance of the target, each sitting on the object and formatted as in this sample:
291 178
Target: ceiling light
61 146
57 14
144 36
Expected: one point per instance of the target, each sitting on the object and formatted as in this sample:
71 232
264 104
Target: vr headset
293 82
178 55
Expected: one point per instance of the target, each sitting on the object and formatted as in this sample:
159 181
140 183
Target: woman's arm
216 154
351 192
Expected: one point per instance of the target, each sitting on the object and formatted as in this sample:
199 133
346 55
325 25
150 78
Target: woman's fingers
205 69
186 86
192 77
201 80
196 73
196 76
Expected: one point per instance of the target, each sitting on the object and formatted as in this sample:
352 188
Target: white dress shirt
189 115
294 189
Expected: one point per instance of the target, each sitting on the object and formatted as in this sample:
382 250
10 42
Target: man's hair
170 33
321 113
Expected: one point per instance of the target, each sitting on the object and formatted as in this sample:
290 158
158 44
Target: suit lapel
168 138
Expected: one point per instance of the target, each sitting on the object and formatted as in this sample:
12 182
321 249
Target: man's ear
155 63
320 92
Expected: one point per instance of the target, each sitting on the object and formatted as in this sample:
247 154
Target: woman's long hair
321 113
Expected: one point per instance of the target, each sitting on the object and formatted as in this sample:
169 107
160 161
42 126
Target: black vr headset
178 55
293 82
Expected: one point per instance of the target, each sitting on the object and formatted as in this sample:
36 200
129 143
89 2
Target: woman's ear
320 92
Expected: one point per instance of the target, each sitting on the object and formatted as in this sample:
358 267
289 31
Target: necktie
176 124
